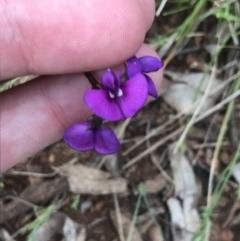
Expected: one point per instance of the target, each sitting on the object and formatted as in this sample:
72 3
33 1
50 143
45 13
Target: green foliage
42 217
76 201
1 182
142 189
8 84
202 234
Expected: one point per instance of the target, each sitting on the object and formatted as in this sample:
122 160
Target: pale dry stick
202 101
212 144
133 139
235 38
156 163
228 65
96 222
154 147
123 128
179 115
164 49
34 206
160 8
145 216
161 170
218 106
187 39
237 8
195 160
101 163
31 174
119 218
179 130
197 111
231 214
214 162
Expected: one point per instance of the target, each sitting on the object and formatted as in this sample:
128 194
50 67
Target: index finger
66 36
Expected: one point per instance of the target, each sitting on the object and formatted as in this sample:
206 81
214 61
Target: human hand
61 38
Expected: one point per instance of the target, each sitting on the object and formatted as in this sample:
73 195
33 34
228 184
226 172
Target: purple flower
143 65
117 100
82 137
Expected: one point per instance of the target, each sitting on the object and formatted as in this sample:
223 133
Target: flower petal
133 66
135 92
150 64
106 142
110 81
151 87
79 137
100 103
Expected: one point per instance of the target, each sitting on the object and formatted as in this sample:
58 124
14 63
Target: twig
197 111
119 218
33 174
35 195
195 160
22 201
233 210
218 106
160 8
162 127
153 147
156 163
206 145
179 130
222 132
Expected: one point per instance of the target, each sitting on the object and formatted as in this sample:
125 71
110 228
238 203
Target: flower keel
82 137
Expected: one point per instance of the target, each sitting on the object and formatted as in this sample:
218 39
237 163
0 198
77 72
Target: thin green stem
131 229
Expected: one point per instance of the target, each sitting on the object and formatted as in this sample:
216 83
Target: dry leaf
156 185
175 209
51 228
59 227
186 215
184 178
177 219
69 230
86 180
156 234
82 235
181 94
83 171
126 223
36 169
4 235
236 172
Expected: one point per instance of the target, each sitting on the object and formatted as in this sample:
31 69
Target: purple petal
133 66
151 87
134 95
135 92
79 137
150 64
110 81
106 142
100 103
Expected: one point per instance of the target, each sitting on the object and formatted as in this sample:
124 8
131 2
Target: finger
67 36
36 114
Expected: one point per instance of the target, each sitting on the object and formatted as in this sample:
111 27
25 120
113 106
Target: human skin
60 40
